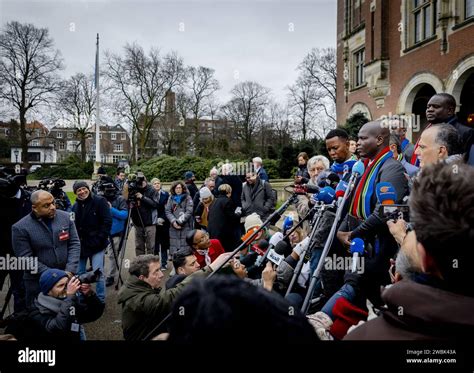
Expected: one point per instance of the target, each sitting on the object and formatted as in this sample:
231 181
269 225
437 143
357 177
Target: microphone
305 188
331 180
287 223
386 194
341 189
357 248
277 255
260 247
358 168
326 195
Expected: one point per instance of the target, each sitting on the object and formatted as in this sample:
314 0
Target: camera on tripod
54 186
135 185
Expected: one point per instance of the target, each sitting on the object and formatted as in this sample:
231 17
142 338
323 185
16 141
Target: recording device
89 277
386 196
10 183
107 190
326 195
135 185
357 249
330 179
54 186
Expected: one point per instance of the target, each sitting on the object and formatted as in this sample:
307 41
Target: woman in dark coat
179 212
223 223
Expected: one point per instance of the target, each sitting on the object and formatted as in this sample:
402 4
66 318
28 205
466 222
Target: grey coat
32 238
257 198
174 212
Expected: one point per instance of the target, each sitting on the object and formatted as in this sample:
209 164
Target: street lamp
16 152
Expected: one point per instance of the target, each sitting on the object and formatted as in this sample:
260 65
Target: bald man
49 238
363 219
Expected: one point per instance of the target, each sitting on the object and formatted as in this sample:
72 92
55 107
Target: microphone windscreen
341 189
282 248
357 246
386 194
326 195
358 168
332 180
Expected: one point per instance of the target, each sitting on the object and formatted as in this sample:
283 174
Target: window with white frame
118 147
62 146
359 69
115 158
113 136
35 143
69 135
59 135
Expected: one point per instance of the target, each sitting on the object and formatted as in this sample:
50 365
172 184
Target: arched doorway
466 101
425 92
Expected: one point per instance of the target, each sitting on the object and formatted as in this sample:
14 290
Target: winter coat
93 223
181 213
119 212
144 307
223 224
257 198
56 248
146 214
428 313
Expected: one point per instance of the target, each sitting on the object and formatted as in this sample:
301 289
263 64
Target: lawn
72 197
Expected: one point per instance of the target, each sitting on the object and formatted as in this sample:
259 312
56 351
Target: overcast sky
263 41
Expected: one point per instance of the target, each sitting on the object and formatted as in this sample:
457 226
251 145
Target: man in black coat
373 146
93 222
257 196
223 223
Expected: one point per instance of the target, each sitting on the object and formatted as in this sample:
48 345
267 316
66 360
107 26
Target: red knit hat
345 315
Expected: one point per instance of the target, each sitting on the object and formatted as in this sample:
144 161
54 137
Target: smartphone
395 212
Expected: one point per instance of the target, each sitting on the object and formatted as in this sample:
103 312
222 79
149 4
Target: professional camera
10 182
395 212
89 277
54 186
135 185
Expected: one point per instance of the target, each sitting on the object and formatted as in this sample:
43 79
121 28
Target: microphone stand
275 215
317 272
301 260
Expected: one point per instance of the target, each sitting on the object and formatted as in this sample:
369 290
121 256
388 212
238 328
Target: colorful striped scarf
404 144
360 206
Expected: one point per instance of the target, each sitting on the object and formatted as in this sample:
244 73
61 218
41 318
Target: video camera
395 212
10 182
89 277
54 186
135 185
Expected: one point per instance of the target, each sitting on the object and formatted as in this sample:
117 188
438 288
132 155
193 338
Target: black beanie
79 184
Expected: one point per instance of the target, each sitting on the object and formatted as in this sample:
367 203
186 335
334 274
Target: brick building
393 55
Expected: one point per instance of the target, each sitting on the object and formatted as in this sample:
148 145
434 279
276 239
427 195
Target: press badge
75 327
64 235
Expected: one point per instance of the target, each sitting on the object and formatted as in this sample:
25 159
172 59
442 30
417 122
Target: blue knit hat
49 278
188 175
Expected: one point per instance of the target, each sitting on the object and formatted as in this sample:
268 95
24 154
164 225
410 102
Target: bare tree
202 85
76 101
245 109
304 101
140 82
28 71
319 66
278 118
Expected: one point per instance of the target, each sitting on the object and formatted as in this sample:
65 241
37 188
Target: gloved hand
299 248
161 221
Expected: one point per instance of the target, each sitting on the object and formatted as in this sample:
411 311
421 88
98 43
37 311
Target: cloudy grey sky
242 40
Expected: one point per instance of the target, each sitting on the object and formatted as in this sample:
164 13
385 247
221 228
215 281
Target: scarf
205 254
342 168
360 206
178 198
404 144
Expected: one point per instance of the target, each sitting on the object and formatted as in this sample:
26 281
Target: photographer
93 222
119 211
144 199
60 310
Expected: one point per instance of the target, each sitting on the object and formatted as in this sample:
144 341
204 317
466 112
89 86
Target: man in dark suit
47 236
373 146
162 237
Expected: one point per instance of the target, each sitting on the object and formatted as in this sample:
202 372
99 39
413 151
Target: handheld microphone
358 168
357 248
341 189
332 180
386 194
261 247
306 188
326 195
278 254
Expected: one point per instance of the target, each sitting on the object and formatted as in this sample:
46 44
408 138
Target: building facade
393 55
